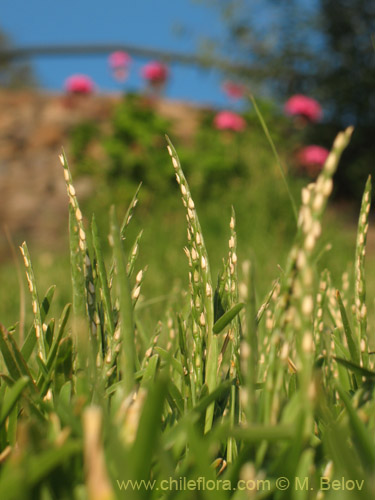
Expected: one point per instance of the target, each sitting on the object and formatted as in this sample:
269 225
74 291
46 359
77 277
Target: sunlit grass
234 382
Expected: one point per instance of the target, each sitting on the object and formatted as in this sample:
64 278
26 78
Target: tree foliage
322 48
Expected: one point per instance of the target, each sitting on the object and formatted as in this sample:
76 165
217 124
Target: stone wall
33 129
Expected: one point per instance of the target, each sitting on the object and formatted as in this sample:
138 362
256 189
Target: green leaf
12 395
227 317
148 430
21 363
220 392
362 437
30 341
150 371
359 370
46 302
8 356
167 356
49 333
175 398
52 355
29 344
41 465
42 368
257 433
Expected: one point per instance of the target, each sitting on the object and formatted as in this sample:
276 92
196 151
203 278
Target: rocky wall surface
33 129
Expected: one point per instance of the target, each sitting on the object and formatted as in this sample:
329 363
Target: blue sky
137 22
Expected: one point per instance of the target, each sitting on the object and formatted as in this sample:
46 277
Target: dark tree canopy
322 48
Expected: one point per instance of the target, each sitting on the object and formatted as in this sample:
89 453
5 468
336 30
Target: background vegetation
316 48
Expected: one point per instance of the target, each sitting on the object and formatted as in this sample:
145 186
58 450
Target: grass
226 395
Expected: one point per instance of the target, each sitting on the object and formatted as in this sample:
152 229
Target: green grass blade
359 370
170 359
148 430
126 307
8 356
258 433
52 355
227 317
19 359
149 373
362 438
267 302
175 398
41 465
30 341
275 153
11 397
46 302
221 392
102 273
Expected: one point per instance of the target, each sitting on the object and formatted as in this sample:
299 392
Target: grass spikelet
84 296
129 212
133 254
234 336
314 200
360 281
295 306
83 303
38 323
102 275
126 320
320 301
201 284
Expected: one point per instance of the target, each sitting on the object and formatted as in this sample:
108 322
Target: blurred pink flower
233 90
79 84
119 59
155 72
119 63
312 158
302 105
227 120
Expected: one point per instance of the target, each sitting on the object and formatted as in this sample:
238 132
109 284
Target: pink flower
119 59
79 84
227 120
119 62
155 72
302 105
233 90
312 158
